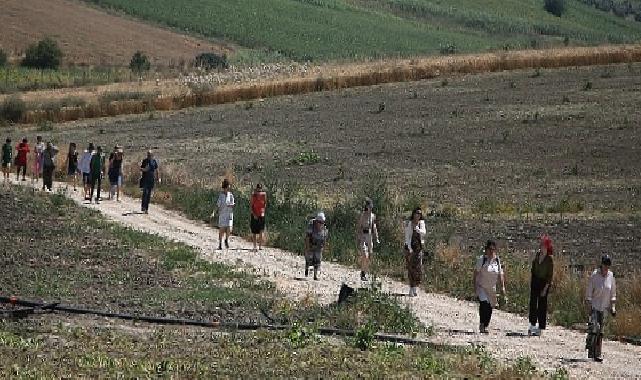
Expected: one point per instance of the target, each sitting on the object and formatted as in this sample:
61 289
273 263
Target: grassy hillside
330 29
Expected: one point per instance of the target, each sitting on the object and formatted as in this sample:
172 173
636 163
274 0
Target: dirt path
454 321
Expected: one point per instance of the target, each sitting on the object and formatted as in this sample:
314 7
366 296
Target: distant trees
211 61
555 7
139 63
43 55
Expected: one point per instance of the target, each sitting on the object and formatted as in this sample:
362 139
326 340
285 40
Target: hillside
90 36
338 29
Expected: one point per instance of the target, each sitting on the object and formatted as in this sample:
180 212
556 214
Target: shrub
3 58
139 63
211 61
448 49
555 7
44 55
12 109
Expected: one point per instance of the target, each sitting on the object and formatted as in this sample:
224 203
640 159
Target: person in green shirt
97 169
7 155
542 273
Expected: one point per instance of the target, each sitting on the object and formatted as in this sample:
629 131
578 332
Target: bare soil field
94 37
507 155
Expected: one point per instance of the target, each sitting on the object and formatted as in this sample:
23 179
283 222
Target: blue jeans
146 197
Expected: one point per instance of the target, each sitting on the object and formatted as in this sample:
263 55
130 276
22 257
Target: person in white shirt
487 272
225 206
600 296
85 168
366 234
414 241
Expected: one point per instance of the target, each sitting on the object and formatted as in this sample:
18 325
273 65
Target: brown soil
91 36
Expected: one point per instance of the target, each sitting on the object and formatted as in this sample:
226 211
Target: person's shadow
133 213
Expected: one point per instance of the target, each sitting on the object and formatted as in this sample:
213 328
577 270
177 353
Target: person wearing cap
487 272
114 172
600 296
315 239
415 232
366 232
542 272
257 205
225 204
150 174
85 168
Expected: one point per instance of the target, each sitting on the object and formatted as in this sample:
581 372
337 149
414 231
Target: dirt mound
91 36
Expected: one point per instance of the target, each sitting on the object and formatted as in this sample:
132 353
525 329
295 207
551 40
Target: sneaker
532 330
363 276
483 330
226 244
220 247
598 360
306 271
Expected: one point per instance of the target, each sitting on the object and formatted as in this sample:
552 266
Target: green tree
556 7
139 63
43 55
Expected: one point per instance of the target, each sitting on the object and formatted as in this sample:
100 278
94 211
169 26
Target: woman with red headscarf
542 273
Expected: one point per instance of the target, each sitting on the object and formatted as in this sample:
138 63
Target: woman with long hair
415 232
542 272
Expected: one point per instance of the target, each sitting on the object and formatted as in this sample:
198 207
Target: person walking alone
97 166
150 174
600 296
48 166
7 157
22 153
487 272
366 234
315 239
225 205
542 272
414 241
258 204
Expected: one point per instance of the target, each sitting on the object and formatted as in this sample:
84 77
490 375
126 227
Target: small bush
3 58
13 109
211 61
44 55
448 49
555 7
139 63
111 96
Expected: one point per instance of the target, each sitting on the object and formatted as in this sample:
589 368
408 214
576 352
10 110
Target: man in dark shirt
149 169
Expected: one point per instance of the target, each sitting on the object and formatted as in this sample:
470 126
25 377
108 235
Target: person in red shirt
22 151
258 203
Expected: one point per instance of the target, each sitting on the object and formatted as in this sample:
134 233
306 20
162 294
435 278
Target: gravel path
454 321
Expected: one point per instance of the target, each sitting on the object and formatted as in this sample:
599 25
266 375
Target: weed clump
13 109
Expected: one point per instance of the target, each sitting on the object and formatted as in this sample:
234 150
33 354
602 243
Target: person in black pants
542 273
149 169
487 272
97 166
48 166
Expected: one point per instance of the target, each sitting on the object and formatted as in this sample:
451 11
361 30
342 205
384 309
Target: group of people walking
488 271
91 166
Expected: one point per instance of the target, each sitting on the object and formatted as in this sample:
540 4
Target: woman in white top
414 240
600 296
487 272
366 232
225 206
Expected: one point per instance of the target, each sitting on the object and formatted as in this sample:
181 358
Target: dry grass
355 75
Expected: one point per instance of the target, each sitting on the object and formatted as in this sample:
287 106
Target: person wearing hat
225 204
114 172
542 272
257 205
600 296
315 239
487 272
366 232
414 241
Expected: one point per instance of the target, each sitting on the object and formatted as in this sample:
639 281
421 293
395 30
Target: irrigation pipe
327 331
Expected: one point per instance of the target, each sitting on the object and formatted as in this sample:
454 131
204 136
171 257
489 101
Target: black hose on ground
327 331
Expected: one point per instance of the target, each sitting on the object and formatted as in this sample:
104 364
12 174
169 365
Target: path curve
454 321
